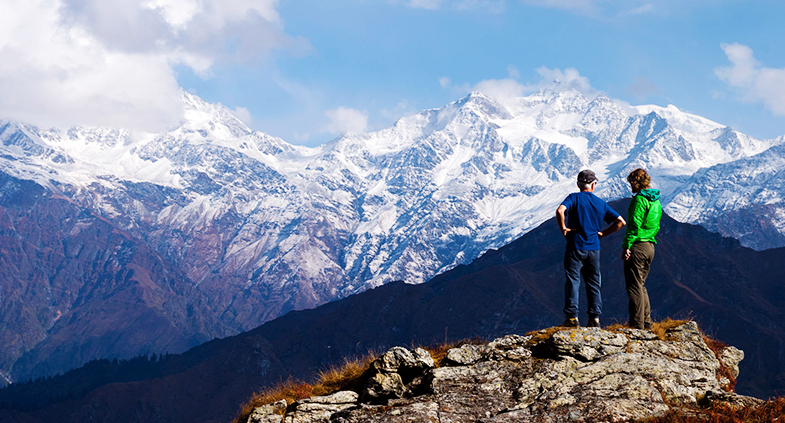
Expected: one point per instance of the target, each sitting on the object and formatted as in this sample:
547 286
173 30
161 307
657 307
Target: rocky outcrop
555 375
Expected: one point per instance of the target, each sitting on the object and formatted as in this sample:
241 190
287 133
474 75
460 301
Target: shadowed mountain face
74 287
733 292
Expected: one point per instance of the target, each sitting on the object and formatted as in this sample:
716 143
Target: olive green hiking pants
636 269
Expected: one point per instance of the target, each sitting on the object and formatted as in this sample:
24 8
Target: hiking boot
647 326
594 322
571 322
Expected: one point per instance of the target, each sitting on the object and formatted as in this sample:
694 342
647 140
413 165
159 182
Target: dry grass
661 328
772 411
331 380
337 378
717 347
543 334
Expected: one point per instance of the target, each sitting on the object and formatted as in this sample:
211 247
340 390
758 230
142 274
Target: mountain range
117 244
732 292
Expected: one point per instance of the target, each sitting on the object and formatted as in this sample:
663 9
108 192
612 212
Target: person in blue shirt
581 217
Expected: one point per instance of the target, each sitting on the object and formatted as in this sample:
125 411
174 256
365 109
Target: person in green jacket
643 223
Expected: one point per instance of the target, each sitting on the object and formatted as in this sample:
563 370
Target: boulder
270 413
320 409
398 373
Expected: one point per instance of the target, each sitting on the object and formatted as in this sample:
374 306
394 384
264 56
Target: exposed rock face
578 374
396 374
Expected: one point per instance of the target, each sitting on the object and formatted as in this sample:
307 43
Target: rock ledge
555 375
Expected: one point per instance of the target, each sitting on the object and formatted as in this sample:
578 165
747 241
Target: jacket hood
650 194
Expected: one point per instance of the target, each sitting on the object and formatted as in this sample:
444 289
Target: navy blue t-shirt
586 214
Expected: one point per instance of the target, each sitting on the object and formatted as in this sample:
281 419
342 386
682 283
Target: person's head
587 180
639 180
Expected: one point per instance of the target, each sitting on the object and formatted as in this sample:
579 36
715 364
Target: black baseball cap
587 176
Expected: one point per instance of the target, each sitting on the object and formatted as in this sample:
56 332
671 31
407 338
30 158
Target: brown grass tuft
331 380
660 328
543 334
717 347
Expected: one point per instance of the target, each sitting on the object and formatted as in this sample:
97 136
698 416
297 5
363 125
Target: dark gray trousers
636 269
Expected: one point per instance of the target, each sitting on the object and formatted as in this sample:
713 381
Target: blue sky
308 70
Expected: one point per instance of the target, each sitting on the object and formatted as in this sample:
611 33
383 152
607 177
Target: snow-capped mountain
263 227
743 199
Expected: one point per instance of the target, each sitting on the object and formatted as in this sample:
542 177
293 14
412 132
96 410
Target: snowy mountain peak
266 225
680 120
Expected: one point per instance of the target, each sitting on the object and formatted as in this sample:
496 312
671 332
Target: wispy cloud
596 8
506 89
580 6
403 108
642 87
492 6
751 80
569 78
93 62
424 4
346 120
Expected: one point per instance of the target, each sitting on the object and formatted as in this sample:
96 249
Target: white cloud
512 71
568 78
346 120
243 114
509 88
111 63
502 89
754 82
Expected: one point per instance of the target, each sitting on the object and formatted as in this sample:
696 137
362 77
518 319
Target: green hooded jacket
643 217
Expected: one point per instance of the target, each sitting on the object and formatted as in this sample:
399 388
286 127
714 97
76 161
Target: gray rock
510 347
588 343
397 373
573 375
411 412
321 409
270 413
730 358
733 399
465 354
385 385
400 359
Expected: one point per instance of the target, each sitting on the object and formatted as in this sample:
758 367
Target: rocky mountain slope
260 227
76 287
734 294
742 199
576 375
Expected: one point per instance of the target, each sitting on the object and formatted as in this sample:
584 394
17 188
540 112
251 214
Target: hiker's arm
560 220
615 226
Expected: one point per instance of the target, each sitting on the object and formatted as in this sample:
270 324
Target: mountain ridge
261 227
730 290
